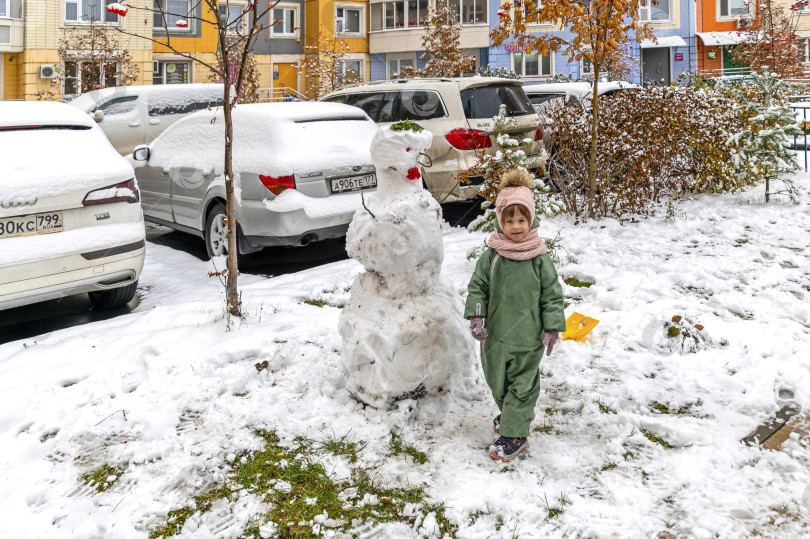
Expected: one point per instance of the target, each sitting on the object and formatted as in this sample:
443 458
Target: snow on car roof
269 138
38 113
179 93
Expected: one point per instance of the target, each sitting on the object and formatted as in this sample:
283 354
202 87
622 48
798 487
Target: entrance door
730 67
287 76
656 66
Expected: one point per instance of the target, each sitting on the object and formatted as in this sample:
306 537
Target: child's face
515 227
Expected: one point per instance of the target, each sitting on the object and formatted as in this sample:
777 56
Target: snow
315 208
49 163
174 95
18 250
274 139
192 395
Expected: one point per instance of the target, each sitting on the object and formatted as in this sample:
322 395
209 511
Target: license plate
29 225
355 183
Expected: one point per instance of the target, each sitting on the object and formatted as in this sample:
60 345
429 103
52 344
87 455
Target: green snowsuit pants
513 376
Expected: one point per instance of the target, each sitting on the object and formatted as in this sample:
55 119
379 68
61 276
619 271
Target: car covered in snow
544 93
301 171
135 115
70 212
459 113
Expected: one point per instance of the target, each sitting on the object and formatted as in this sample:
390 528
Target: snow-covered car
542 93
135 115
70 212
459 113
302 168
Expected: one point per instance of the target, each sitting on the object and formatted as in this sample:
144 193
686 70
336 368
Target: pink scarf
529 247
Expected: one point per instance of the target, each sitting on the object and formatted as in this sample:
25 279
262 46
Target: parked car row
301 169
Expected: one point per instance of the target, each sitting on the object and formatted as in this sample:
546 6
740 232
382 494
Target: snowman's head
396 152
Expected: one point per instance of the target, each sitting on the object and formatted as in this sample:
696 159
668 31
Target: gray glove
550 339
477 329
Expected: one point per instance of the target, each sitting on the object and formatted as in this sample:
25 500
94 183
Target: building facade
717 32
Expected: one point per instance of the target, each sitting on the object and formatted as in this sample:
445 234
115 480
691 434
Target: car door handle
135 123
165 171
154 121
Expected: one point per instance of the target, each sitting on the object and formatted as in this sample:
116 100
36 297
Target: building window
349 20
395 65
83 76
804 50
417 11
350 71
734 8
169 12
86 11
530 64
235 12
284 21
473 11
585 68
171 72
5 34
4 8
654 12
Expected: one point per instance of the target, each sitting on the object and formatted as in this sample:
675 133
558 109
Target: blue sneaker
506 449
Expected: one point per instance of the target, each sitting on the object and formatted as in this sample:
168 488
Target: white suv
70 210
459 113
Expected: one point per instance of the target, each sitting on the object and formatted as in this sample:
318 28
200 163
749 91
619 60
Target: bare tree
236 40
325 65
773 44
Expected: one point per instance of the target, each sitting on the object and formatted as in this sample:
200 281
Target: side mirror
141 153
98 115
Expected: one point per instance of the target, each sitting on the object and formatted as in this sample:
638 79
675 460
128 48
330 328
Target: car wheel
103 300
216 232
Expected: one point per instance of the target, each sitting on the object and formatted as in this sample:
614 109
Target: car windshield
484 101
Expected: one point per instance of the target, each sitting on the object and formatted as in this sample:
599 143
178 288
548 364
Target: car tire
216 231
104 300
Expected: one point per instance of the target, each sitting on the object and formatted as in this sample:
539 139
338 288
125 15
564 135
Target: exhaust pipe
306 240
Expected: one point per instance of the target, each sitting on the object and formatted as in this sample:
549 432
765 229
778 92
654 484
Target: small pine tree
510 155
762 148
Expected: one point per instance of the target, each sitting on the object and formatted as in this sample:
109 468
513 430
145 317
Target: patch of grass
398 446
472 518
298 489
102 478
661 408
656 439
609 465
629 455
576 283
555 510
604 408
339 446
315 302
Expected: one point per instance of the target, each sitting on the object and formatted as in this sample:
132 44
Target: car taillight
277 184
468 139
539 134
120 192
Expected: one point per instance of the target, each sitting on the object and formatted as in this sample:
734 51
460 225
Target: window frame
649 7
362 22
79 21
731 16
398 58
484 3
522 71
342 68
102 77
295 31
162 64
4 14
243 14
173 28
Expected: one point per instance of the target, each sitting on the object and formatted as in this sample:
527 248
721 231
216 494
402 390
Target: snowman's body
403 329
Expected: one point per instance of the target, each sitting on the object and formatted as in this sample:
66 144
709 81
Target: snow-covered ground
193 396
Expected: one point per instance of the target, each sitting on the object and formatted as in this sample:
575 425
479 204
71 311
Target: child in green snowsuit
515 308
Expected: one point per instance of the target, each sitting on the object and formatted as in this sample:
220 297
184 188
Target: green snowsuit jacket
520 300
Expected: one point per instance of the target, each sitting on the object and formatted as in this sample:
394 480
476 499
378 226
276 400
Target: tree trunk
594 131
767 189
231 291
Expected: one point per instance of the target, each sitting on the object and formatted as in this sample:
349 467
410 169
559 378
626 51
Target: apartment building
657 61
396 32
717 29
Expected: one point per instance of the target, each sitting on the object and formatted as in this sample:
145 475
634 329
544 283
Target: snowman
404 335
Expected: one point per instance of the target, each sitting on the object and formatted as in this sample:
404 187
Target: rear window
164 104
536 99
484 101
397 106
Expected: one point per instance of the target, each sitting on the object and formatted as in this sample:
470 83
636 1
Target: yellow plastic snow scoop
578 326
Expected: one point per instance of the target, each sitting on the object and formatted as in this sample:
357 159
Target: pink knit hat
516 188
